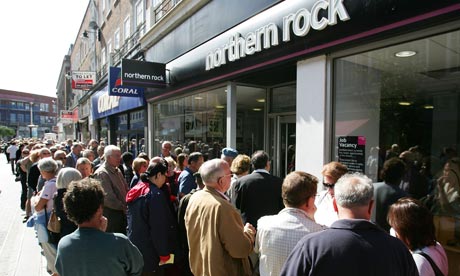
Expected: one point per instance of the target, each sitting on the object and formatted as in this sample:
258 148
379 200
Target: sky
35 37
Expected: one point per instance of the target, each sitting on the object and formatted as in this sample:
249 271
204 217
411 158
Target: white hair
66 176
353 189
109 149
48 165
211 170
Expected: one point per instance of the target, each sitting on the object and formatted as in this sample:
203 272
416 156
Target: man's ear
334 203
371 204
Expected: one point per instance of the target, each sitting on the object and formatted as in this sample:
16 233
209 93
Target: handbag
52 236
54 223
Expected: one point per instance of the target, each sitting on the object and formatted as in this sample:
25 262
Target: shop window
199 118
283 99
405 99
250 127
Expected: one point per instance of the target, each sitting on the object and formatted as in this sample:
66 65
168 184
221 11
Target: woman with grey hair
64 178
48 169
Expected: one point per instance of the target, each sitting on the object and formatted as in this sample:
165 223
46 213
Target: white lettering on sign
299 23
106 102
124 90
143 76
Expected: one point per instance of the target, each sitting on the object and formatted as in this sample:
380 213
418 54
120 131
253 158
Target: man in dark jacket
259 193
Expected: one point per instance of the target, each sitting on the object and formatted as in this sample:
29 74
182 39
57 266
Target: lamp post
31 126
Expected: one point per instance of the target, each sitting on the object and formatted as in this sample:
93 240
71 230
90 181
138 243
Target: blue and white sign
104 105
117 89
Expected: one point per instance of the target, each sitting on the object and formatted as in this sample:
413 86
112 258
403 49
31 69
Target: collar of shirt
223 195
295 210
261 171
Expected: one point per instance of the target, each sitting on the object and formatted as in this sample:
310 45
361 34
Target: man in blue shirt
186 180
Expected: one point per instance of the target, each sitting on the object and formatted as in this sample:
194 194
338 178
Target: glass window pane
250 119
404 99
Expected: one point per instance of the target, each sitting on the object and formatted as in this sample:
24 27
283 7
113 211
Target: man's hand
103 224
248 228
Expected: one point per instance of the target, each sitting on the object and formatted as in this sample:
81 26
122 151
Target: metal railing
162 9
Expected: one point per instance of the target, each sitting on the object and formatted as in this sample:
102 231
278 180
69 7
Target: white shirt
12 151
325 213
48 192
278 234
437 253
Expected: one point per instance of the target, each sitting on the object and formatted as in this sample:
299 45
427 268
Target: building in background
30 115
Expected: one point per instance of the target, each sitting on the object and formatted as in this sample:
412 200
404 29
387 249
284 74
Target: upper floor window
126 28
103 57
139 12
116 39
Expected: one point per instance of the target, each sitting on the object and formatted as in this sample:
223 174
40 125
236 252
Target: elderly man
72 157
116 188
353 245
166 148
88 250
219 243
278 234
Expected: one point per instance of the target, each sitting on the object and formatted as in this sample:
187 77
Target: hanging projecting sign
116 89
83 80
142 73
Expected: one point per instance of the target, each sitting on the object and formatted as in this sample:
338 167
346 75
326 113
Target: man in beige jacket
219 242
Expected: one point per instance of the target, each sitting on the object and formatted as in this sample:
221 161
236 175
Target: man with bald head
219 242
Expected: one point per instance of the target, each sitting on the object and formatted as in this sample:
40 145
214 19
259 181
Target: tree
6 131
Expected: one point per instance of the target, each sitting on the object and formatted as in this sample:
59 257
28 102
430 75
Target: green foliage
6 131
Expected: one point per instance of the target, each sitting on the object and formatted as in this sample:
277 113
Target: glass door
282 148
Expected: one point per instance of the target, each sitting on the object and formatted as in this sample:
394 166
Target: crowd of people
183 213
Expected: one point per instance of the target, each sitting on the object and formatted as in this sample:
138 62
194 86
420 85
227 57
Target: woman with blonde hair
240 167
325 213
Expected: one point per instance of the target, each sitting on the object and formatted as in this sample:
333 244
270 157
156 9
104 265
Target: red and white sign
83 80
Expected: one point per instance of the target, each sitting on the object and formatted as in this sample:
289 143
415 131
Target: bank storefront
316 81
119 120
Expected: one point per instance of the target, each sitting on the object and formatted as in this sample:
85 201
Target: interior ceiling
434 69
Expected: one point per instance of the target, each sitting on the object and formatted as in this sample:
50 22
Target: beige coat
216 237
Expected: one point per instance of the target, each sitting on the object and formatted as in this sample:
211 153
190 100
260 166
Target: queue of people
181 213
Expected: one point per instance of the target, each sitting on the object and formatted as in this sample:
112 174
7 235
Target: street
20 253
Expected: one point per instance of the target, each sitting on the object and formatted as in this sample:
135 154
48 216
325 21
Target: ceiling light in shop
257 109
220 106
428 106
260 100
405 103
198 98
404 54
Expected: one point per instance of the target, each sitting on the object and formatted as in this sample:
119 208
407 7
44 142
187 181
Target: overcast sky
35 37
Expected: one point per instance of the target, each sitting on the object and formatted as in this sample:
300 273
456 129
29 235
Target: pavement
20 254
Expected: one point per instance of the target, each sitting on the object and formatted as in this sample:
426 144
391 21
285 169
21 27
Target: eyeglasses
231 175
328 185
25 152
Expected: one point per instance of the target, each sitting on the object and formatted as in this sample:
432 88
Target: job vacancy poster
351 152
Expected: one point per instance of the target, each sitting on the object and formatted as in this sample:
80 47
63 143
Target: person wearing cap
228 154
